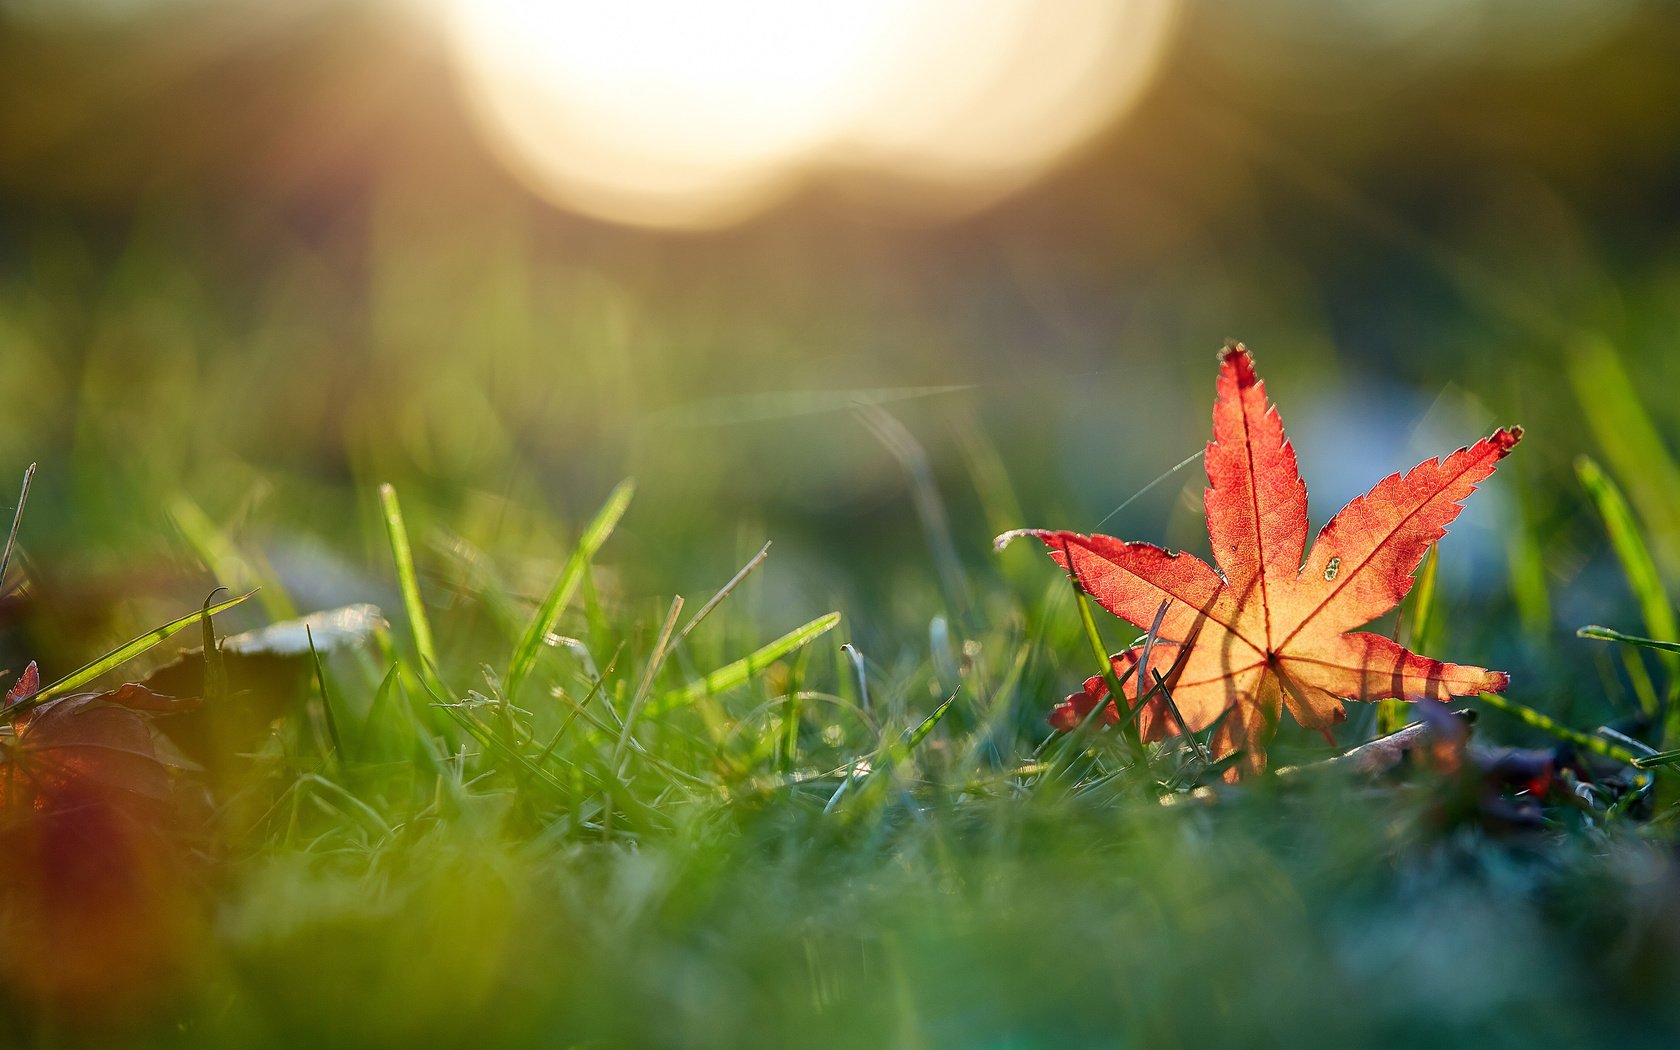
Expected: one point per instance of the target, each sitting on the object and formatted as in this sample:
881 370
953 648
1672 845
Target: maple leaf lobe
26 686
1256 502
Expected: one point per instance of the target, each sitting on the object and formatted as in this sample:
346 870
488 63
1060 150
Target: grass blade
656 659
1392 714
1660 758
17 520
120 655
560 595
1637 565
1146 649
733 674
215 669
1617 416
725 591
920 733
402 553
1178 716
1625 537
376 710
326 696
1098 650
1546 724
1116 684
860 673
1425 615
1609 635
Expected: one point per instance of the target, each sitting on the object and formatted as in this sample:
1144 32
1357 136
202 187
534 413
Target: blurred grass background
260 259
256 260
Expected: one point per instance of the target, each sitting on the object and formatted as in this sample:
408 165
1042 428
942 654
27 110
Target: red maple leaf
1274 625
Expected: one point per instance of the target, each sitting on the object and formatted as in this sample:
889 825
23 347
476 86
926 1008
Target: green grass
553 806
122 654
640 851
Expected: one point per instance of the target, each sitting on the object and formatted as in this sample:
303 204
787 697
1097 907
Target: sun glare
684 114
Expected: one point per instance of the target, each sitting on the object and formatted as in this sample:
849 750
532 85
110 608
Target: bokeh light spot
665 113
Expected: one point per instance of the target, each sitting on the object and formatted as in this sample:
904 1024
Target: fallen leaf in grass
98 822
1439 742
1529 770
1274 626
102 740
1496 789
1449 735
327 630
